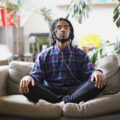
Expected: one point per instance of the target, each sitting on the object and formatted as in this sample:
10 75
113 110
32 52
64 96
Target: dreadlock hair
52 35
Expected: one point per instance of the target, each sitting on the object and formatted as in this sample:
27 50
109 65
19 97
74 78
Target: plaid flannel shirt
53 68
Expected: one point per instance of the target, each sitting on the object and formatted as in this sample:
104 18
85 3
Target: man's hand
24 83
99 78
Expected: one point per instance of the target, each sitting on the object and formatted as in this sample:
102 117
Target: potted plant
14 13
100 52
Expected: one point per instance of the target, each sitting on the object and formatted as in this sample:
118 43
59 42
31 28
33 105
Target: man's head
62 30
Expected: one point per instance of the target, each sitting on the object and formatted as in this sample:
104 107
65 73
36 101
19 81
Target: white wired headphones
74 77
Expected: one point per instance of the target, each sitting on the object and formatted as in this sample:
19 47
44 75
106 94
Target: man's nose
62 29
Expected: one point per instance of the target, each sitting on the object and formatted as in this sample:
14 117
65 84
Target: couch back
17 70
109 65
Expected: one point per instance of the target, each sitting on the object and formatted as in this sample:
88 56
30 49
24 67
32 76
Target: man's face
62 30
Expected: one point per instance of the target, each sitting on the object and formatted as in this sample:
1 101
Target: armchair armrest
4 72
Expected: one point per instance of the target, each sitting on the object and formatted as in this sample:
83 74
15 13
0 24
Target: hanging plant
79 9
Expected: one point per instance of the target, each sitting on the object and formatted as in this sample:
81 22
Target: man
62 73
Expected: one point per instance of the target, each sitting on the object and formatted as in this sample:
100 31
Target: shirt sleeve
38 73
87 67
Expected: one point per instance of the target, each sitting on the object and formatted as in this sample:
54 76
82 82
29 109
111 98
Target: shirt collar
66 49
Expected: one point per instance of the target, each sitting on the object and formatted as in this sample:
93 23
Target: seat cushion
19 105
99 106
110 67
17 70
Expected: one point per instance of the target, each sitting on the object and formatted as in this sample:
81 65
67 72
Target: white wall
36 22
100 21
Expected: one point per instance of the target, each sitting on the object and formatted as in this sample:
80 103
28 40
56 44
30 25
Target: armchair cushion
95 107
17 70
19 105
110 67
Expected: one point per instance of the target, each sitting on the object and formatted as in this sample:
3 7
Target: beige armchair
15 105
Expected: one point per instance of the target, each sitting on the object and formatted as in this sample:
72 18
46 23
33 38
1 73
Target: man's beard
63 40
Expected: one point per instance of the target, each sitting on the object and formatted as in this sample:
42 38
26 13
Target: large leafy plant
79 9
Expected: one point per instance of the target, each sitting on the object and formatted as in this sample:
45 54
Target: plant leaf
79 9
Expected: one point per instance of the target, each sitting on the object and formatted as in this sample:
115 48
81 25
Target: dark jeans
74 94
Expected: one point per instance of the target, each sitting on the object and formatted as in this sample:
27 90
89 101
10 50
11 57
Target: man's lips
62 35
